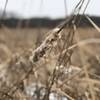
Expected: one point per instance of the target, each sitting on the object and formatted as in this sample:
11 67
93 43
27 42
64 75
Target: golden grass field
21 41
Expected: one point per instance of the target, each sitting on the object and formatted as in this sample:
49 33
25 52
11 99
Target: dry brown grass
65 65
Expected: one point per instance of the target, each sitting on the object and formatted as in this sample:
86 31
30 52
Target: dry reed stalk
93 24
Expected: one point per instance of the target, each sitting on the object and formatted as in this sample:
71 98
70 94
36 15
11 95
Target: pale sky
47 8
